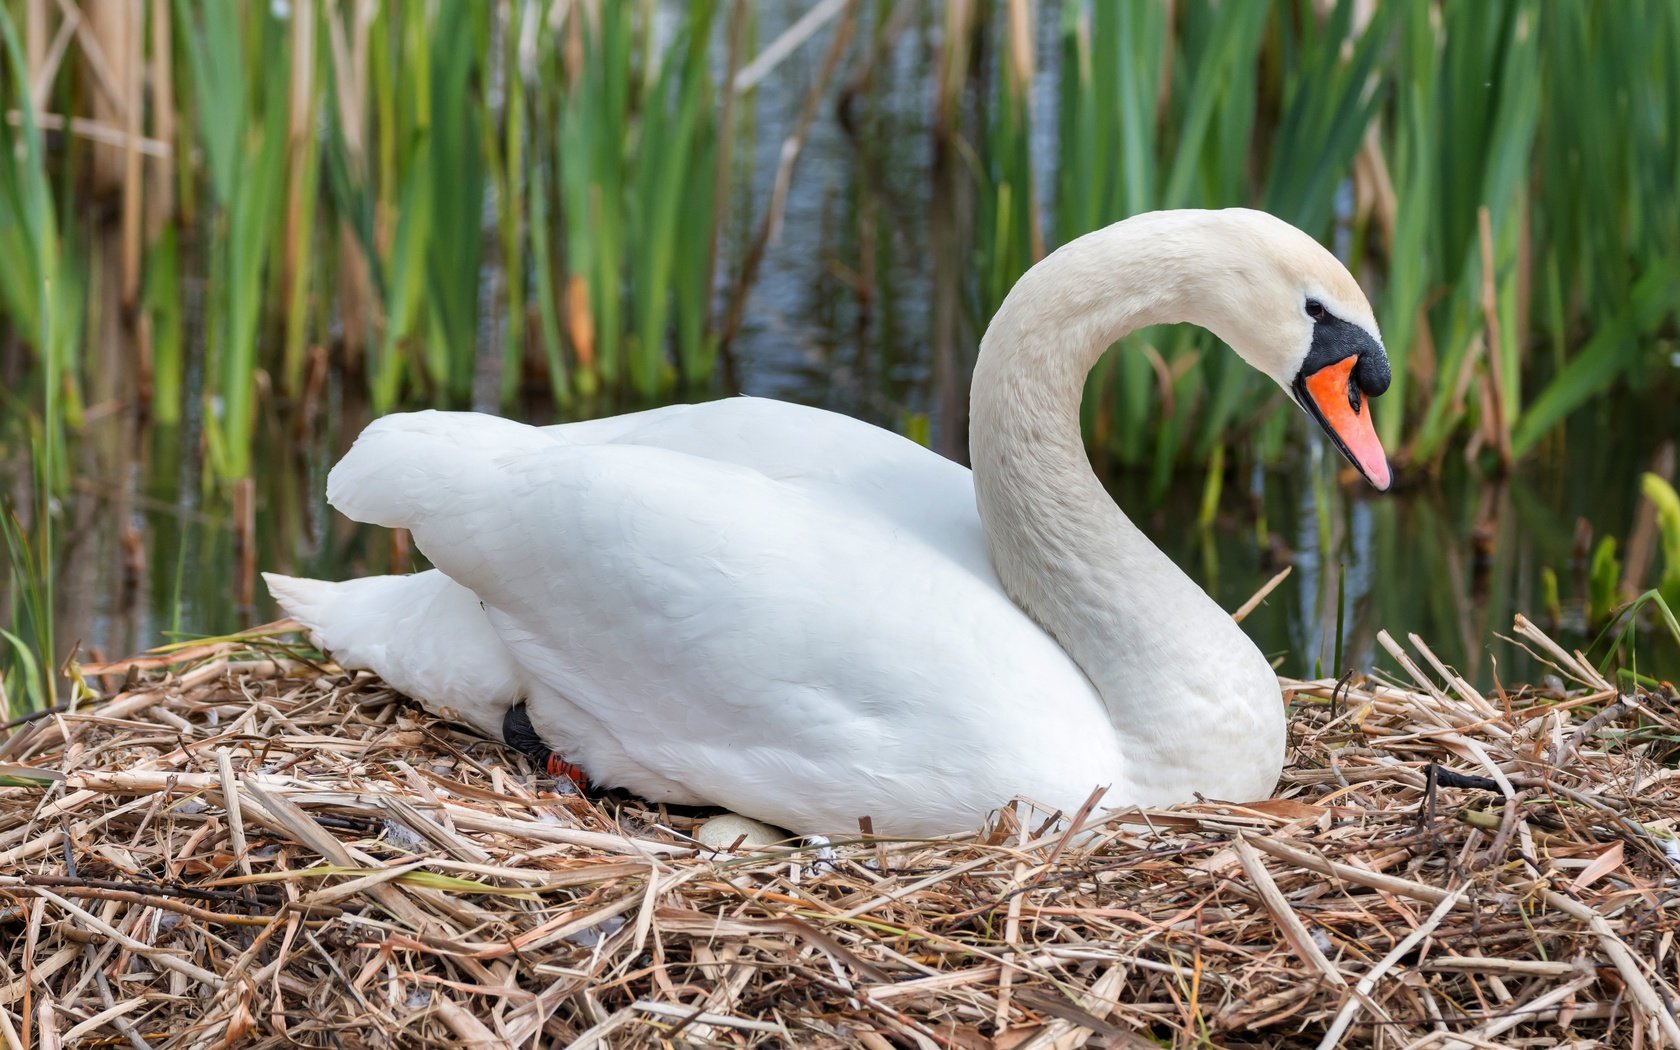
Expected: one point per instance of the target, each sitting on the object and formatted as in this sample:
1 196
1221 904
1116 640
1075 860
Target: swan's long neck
1167 661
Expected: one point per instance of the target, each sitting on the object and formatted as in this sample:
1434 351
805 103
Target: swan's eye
1315 309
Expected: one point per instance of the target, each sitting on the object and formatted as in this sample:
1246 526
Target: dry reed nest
245 846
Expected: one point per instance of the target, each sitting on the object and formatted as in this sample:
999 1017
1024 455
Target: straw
245 845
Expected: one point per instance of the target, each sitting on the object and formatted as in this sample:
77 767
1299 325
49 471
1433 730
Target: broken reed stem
1260 595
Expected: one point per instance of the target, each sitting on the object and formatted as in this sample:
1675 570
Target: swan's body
796 615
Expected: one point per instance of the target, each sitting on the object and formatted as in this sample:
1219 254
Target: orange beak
1345 414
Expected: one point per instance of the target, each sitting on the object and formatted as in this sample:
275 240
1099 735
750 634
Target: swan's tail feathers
425 634
406 467
303 600
352 620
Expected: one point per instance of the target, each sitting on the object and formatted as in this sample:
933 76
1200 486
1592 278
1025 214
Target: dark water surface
842 317
148 559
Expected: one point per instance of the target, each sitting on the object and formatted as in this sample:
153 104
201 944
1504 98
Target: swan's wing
735 633
776 438
822 452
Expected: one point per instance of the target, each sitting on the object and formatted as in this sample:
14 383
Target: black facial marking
1334 339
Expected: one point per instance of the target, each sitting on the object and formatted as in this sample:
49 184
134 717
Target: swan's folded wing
731 631
829 455
410 466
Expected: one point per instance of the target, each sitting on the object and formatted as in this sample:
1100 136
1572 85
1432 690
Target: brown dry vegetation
243 845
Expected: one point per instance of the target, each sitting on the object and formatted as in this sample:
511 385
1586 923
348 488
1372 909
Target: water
146 560
843 317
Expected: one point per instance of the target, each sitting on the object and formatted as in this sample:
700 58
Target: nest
244 845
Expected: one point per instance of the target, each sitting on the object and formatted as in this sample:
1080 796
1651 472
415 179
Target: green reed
348 185
1666 502
239 78
1483 85
38 287
1605 208
1482 231
671 202
1160 112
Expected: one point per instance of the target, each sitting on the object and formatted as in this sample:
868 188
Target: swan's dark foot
520 735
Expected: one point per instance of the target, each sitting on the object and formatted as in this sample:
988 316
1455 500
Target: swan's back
817 450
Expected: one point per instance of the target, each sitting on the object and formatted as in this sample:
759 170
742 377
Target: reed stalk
35 287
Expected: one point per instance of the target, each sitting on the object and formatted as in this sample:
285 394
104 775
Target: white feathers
425 634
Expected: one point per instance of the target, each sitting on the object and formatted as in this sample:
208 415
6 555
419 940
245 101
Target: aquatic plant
1604 580
25 685
242 129
1667 503
38 285
342 177
1479 230
334 171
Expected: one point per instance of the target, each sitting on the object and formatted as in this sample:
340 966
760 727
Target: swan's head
1295 313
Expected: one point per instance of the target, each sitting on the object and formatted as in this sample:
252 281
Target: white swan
808 619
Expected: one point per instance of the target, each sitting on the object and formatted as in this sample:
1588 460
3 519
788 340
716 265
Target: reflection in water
861 307
1452 560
